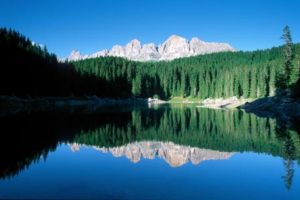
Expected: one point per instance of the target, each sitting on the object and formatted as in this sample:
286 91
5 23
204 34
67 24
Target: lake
155 152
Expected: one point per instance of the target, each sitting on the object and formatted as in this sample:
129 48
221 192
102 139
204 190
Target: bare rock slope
174 47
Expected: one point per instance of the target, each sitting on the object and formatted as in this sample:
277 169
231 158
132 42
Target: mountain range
174 47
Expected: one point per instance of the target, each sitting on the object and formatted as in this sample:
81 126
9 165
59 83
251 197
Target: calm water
148 153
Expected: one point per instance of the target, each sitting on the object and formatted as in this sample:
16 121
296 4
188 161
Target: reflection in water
289 154
176 134
174 155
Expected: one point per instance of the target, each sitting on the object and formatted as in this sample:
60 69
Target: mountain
174 47
175 155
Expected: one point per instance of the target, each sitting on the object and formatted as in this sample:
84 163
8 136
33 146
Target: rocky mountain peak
175 38
174 47
196 40
118 51
134 43
133 49
75 55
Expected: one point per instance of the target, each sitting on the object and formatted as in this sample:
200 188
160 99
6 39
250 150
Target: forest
28 70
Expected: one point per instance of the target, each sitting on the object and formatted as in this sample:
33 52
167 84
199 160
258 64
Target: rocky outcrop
200 47
284 109
117 50
75 55
232 102
149 52
100 53
174 47
133 49
175 155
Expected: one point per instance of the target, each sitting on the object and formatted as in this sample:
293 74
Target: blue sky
92 25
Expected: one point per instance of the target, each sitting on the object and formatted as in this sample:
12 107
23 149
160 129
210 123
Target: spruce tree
284 77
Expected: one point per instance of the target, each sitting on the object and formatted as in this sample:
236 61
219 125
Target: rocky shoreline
275 107
221 103
285 110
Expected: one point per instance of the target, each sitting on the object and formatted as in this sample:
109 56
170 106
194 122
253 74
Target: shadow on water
27 138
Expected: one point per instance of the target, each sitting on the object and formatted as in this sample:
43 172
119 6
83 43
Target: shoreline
274 107
10 105
221 103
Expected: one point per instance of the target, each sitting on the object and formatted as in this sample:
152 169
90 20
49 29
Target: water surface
148 153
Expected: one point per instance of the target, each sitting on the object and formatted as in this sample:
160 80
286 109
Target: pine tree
284 77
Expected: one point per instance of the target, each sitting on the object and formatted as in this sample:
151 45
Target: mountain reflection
174 155
176 134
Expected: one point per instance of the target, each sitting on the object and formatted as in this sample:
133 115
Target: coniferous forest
133 99
28 70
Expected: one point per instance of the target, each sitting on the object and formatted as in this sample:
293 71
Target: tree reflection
32 137
289 154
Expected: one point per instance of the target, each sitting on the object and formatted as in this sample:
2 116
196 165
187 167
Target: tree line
29 70
247 74
254 74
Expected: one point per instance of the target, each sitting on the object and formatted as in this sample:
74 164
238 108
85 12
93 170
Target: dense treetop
28 70
247 74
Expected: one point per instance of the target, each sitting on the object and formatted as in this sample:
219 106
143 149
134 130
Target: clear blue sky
92 25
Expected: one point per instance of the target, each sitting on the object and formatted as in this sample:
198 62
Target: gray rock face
175 155
117 50
200 47
75 55
133 49
174 47
149 52
104 52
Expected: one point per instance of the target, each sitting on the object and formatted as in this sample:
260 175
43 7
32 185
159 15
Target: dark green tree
29 70
284 77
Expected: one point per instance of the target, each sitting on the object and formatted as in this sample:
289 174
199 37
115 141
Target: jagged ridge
174 47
